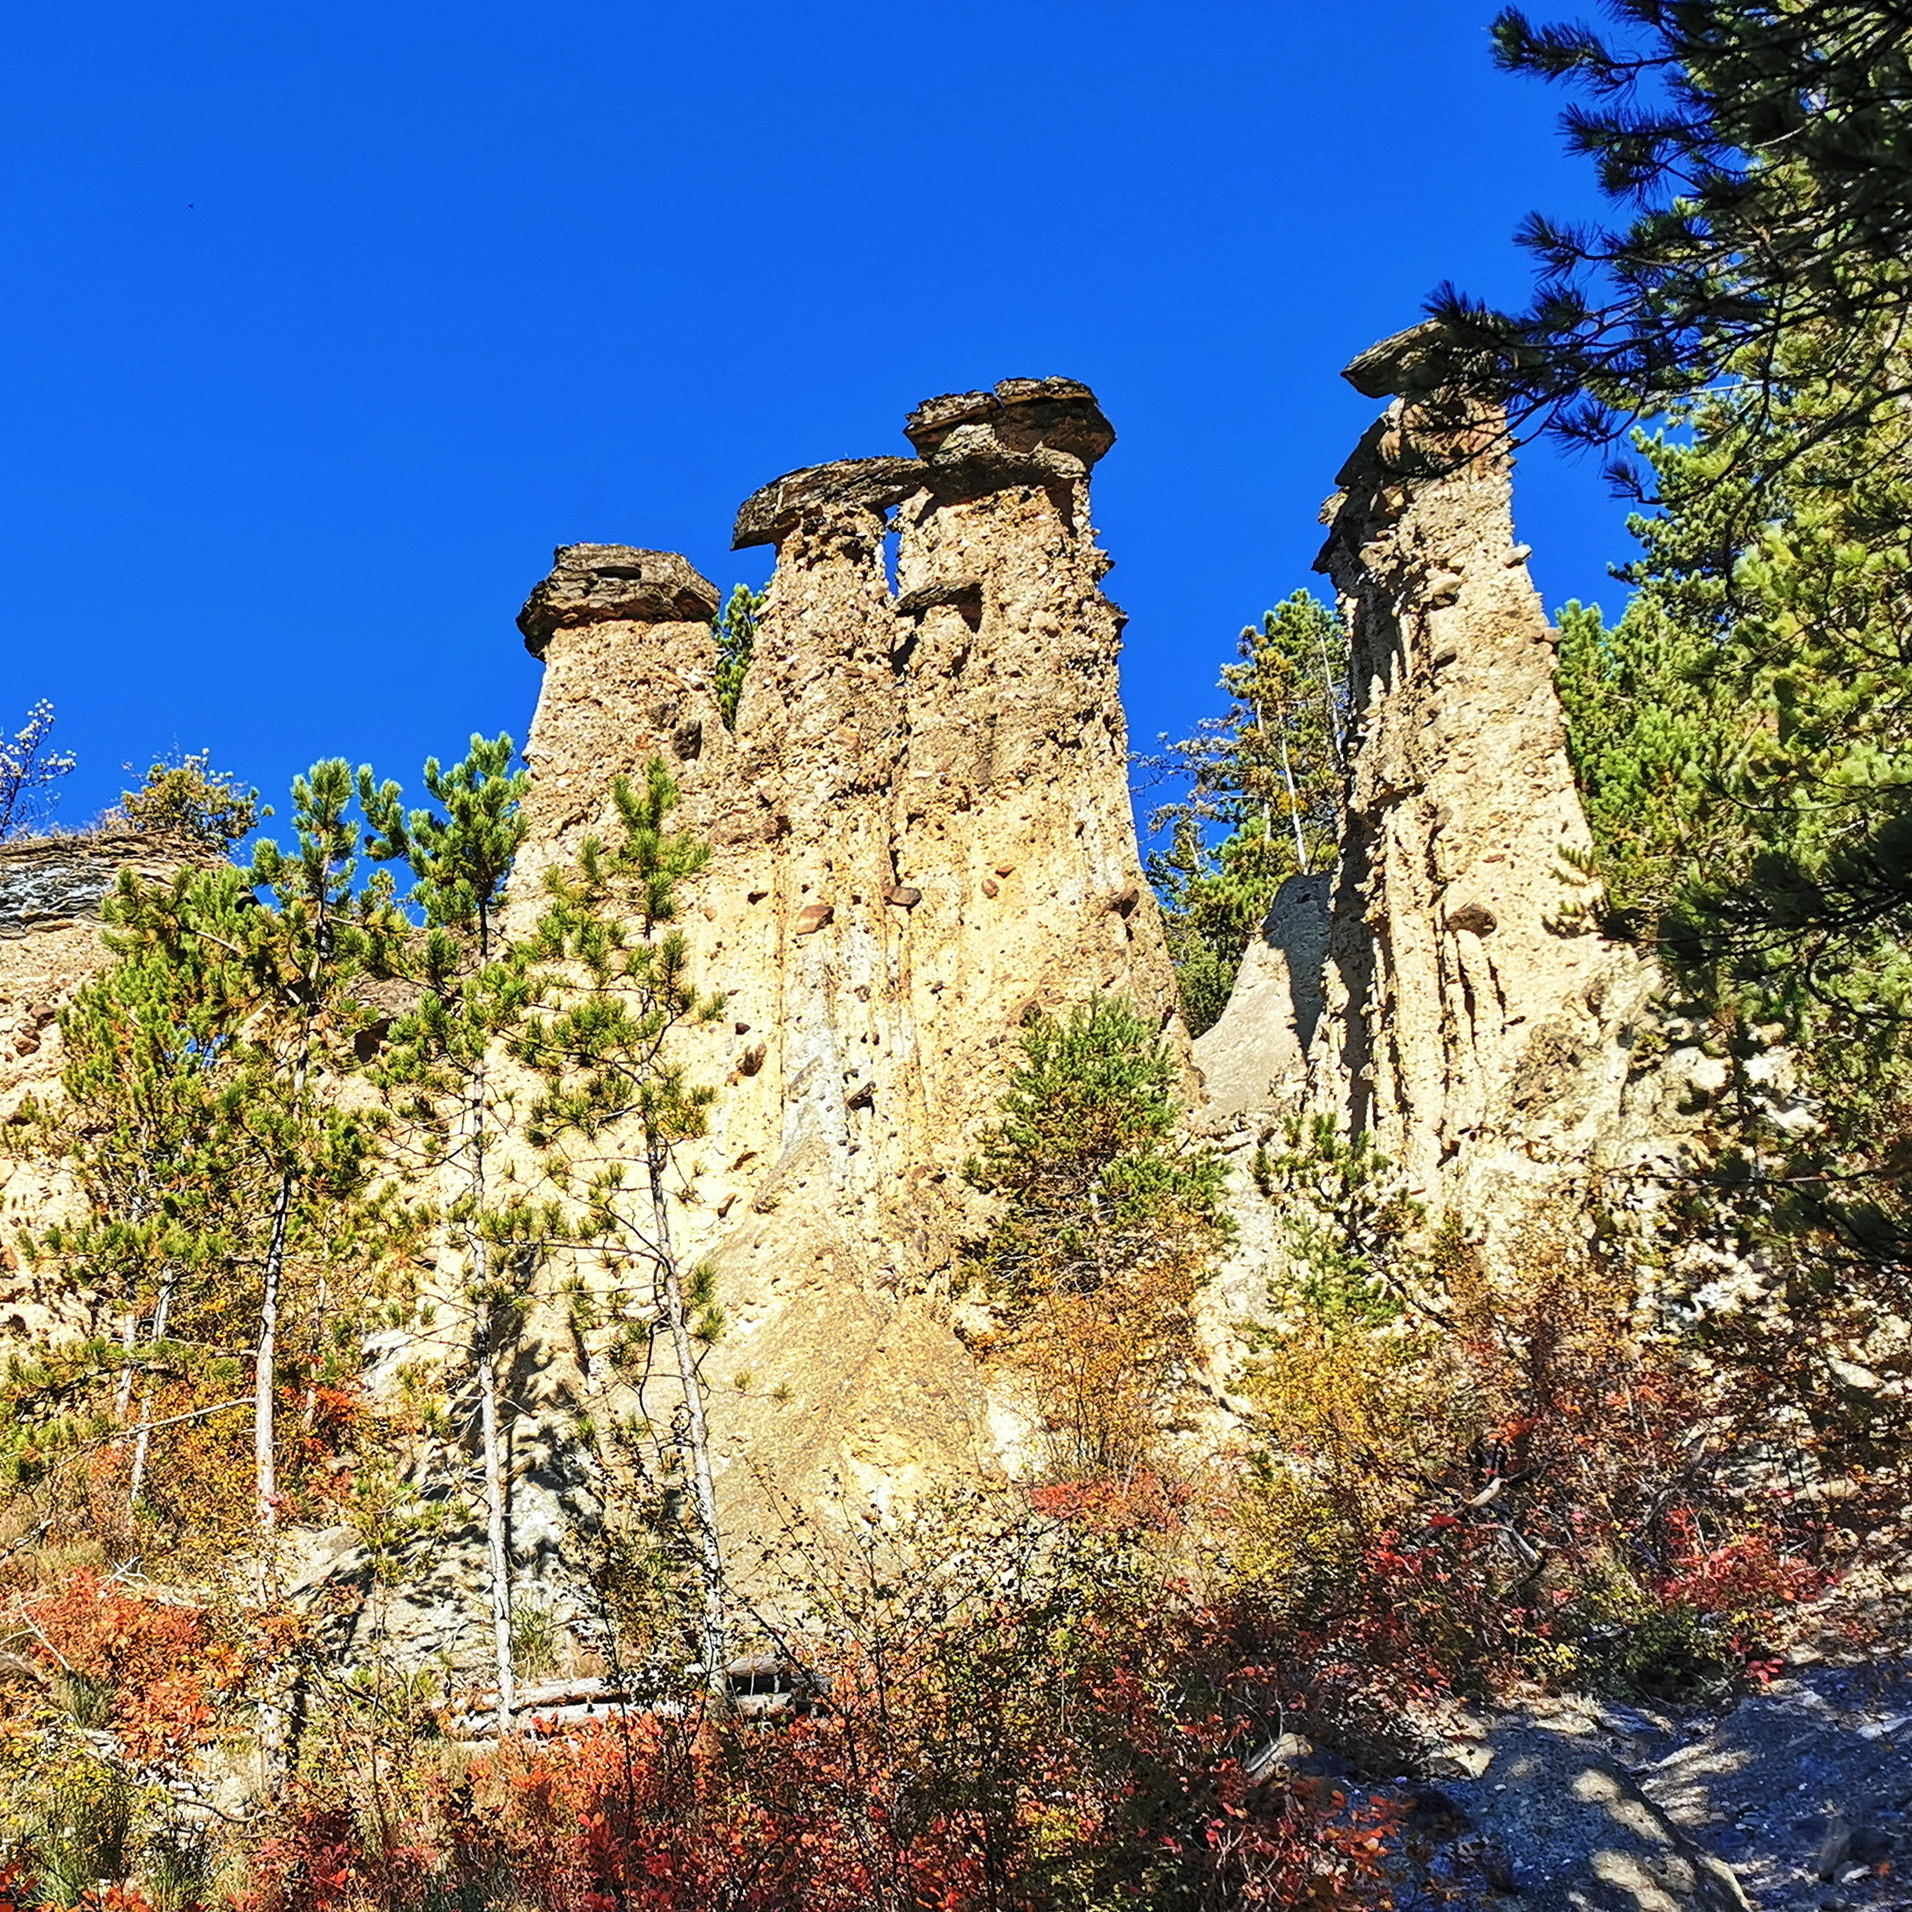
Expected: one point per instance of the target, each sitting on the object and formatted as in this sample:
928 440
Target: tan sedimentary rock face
922 831
51 889
1471 1020
1462 933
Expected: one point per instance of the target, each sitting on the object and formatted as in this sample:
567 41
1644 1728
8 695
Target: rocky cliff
51 889
922 831
1447 992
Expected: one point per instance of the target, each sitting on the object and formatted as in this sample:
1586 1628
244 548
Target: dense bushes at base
1488 1466
1066 1727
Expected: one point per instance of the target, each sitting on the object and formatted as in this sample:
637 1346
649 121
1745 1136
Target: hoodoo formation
922 831
920 836
754 1293
1447 991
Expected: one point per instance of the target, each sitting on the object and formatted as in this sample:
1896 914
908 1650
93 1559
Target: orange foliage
1511 1474
1104 1766
159 1661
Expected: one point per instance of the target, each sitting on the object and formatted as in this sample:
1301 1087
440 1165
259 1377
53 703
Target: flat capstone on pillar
1026 431
614 584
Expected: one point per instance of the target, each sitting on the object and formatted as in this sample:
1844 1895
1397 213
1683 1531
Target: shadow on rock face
1570 1828
1806 1788
1254 1057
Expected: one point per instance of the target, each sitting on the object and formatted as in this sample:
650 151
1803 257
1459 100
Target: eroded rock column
1475 1019
821 732
1015 830
629 673
921 831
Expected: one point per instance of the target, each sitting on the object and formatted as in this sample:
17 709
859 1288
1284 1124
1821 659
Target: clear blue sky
326 323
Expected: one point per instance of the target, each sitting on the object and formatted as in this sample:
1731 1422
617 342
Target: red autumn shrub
1498 1473
1024 1754
1744 1574
156 1662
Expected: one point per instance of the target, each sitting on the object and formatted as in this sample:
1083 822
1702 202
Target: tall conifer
278 950
440 1076
619 1097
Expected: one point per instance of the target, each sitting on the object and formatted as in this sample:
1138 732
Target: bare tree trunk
1294 810
272 1711
168 1287
491 1433
129 1335
1327 700
497 1517
129 1340
264 1376
715 1628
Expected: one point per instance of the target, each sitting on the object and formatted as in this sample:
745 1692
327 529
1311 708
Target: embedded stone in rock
811 918
614 584
850 485
963 594
1027 431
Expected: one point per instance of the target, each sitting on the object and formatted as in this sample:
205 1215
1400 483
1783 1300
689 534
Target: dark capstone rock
1423 358
614 583
1433 356
1028 431
847 487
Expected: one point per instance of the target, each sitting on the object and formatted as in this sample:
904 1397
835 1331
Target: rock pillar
921 831
1014 824
821 733
1466 978
1453 998
629 674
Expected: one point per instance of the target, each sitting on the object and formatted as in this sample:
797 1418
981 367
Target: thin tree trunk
497 1474
129 1340
710 1558
264 1455
168 1287
497 1518
129 1336
1294 810
1327 698
272 1712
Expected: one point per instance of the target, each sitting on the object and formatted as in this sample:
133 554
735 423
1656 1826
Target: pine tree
735 628
619 1097
1269 776
1646 733
186 800
1762 153
1744 742
1110 1222
141 1126
276 950
439 1074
